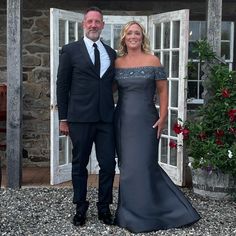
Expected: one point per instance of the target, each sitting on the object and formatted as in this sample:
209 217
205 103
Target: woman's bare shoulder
119 62
153 60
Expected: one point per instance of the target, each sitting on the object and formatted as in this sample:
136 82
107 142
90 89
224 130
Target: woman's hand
160 124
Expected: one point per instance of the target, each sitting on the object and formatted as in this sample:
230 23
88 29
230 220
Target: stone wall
36 82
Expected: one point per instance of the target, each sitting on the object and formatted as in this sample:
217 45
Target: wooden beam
214 18
14 93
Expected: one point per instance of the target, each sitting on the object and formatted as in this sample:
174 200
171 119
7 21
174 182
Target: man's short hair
93 9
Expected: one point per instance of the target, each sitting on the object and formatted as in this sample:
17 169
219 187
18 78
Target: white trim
58 173
176 173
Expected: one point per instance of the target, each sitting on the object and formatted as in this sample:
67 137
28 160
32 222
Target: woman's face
133 37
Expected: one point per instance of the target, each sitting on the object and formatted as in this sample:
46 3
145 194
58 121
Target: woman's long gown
148 199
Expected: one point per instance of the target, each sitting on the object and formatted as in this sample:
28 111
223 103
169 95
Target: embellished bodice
137 87
147 72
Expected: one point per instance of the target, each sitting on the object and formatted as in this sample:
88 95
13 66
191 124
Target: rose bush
210 138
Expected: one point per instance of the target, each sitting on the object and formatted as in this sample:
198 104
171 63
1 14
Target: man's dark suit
86 101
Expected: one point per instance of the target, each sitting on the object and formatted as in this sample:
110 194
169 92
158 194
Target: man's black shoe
106 218
79 219
115 221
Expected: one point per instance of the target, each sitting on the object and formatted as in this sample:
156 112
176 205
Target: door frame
62 173
58 173
176 173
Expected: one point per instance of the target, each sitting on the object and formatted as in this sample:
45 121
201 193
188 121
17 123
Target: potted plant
210 138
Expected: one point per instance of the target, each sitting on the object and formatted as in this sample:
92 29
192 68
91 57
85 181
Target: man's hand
64 127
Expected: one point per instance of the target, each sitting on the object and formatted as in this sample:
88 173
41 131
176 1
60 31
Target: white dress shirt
104 58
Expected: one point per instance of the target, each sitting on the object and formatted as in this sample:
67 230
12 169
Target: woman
148 199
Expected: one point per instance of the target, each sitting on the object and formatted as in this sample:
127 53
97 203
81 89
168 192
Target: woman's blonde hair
145 47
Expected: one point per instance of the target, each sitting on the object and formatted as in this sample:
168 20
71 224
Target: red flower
232 130
225 93
202 136
185 132
177 128
219 142
219 133
172 144
232 115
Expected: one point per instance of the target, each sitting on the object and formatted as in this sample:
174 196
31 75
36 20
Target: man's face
93 25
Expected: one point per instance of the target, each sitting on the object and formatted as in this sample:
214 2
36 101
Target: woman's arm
162 90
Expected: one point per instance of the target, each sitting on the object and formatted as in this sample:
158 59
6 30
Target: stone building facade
36 81
36 58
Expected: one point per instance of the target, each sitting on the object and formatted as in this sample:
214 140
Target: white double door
168 34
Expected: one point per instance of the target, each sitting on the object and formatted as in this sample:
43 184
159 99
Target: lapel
85 54
88 60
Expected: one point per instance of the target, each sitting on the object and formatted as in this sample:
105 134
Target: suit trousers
83 135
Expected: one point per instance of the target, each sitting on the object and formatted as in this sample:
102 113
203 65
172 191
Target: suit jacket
82 96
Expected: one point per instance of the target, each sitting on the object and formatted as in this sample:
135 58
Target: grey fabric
148 199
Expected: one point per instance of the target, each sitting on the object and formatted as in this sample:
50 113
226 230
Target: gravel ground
49 211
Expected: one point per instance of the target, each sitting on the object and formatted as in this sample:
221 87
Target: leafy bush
211 138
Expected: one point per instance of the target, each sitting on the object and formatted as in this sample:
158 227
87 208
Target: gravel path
49 211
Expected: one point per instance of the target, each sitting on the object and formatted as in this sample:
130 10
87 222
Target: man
85 105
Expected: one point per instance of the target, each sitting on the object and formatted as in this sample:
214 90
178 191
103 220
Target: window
197 31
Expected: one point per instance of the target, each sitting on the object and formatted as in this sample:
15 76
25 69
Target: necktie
97 58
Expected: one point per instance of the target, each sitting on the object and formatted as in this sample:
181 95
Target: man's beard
93 35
